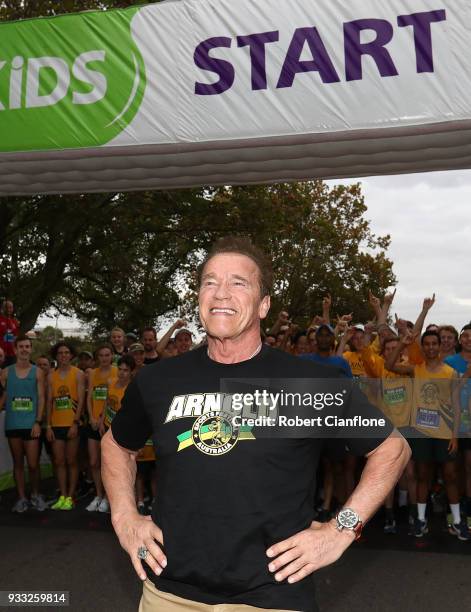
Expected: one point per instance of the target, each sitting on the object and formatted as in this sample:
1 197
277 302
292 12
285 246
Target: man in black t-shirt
233 523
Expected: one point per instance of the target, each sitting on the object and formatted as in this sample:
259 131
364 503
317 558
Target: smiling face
43 364
465 340
149 341
124 374
8 308
448 341
230 302
138 358
357 340
104 357
325 340
63 356
117 339
431 347
23 350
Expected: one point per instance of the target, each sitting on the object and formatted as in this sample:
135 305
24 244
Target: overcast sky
429 219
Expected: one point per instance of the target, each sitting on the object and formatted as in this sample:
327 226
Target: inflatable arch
192 92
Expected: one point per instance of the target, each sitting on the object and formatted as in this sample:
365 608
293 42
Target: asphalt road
78 552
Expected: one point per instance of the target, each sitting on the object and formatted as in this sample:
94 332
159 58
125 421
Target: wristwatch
349 519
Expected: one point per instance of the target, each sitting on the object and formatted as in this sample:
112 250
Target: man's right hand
136 531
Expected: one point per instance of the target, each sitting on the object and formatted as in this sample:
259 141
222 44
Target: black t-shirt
150 360
221 506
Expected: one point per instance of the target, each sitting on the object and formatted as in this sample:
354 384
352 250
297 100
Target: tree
319 241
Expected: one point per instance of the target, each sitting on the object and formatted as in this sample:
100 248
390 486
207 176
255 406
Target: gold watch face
348 518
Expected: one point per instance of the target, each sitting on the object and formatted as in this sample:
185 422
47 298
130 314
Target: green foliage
127 258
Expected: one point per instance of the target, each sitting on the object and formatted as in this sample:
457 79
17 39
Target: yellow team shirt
358 370
64 397
99 382
432 408
395 391
113 401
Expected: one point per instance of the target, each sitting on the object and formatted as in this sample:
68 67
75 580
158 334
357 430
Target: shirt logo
213 434
213 431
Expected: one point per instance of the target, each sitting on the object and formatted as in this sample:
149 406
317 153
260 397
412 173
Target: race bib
22 404
100 393
109 413
428 418
393 397
63 403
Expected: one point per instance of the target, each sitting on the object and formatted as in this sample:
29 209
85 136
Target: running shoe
104 506
94 504
59 503
390 526
20 506
420 528
460 530
68 504
38 503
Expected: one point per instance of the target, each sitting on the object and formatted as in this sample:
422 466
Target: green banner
69 81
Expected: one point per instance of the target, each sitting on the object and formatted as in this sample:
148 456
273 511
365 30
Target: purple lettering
257 43
321 61
354 49
422 24
224 69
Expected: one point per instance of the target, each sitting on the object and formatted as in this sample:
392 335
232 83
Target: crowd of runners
418 376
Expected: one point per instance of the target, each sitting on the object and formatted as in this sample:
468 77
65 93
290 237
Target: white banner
224 91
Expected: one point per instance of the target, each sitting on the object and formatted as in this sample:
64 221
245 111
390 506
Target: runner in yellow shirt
65 400
435 416
394 399
98 383
116 390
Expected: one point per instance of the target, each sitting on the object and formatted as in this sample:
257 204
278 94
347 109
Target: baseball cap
131 335
183 330
137 347
359 326
85 354
329 328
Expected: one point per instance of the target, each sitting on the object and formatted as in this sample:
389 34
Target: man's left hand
307 551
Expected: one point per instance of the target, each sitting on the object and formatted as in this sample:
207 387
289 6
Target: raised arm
387 301
375 304
326 306
344 340
282 319
162 344
427 305
391 362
